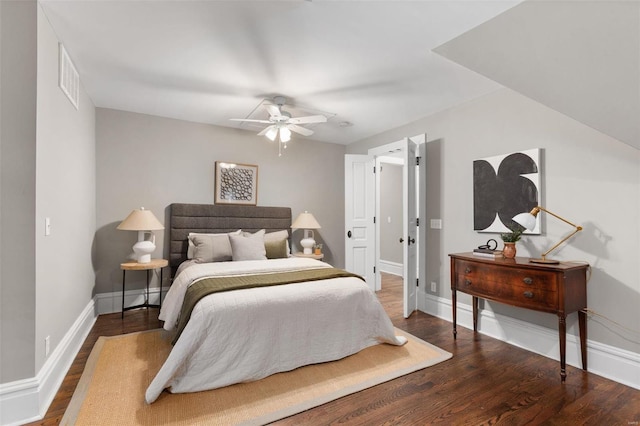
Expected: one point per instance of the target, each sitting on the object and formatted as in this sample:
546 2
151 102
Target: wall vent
69 80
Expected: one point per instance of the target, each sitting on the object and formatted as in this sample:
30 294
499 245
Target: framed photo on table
236 184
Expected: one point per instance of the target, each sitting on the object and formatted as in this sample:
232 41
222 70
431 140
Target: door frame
397 148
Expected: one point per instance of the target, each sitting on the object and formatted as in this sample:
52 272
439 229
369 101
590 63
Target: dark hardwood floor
486 382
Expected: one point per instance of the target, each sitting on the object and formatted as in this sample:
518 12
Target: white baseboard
389 267
28 400
613 363
108 303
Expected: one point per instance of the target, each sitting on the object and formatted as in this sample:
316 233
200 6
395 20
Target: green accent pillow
276 249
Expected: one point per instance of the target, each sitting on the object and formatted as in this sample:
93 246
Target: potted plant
510 239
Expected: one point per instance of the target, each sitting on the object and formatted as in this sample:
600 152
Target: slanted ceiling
581 58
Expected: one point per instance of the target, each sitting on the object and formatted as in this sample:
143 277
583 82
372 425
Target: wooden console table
559 289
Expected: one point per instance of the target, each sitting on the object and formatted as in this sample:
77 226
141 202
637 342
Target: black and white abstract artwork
504 186
236 183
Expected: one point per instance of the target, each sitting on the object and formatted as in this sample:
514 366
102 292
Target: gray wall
65 189
152 162
588 177
47 150
391 208
18 52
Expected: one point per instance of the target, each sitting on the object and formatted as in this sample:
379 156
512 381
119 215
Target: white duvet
245 335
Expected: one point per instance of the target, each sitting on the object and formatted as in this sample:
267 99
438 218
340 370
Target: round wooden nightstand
135 266
310 256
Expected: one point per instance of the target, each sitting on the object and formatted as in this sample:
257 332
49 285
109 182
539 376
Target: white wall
152 162
589 178
65 192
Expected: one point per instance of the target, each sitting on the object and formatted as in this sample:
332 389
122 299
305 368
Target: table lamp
145 223
307 222
528 220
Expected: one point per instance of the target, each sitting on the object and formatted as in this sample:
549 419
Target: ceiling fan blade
308 119
272 109
299 129
250 120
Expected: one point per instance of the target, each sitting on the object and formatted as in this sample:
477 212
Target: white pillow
249 247
192 246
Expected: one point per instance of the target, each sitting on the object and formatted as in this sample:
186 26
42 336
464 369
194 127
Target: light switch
47 226
436 223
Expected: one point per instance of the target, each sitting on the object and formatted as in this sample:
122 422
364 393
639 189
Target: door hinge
374 169
374 219
417 282
374 269
417 161
417 221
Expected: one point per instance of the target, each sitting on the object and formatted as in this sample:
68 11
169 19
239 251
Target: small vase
509 250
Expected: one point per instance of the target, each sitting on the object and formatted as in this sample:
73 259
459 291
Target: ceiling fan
281 122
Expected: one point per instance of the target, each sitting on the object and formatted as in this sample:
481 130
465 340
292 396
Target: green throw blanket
207 286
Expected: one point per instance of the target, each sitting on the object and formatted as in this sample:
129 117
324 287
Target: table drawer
503 291
526 278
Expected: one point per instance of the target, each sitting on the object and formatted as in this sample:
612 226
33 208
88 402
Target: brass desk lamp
528 220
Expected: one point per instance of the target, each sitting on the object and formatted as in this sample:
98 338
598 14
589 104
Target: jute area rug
119 369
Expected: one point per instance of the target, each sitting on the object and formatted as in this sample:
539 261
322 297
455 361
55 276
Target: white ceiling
366 63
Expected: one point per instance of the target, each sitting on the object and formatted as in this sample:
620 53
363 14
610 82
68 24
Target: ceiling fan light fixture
272 133
285 135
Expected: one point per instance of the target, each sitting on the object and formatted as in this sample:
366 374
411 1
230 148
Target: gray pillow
192 247
248 247
211 248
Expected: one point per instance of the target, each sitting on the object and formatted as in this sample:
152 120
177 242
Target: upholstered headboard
210 218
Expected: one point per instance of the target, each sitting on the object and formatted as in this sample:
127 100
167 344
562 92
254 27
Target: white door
410 228
359 212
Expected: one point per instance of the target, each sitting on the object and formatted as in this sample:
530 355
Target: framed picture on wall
504 186
236 183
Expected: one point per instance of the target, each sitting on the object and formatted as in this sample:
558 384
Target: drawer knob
528 280
467 282
467 270
528 294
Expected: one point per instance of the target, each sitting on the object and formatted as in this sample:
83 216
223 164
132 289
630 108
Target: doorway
389 171
362 219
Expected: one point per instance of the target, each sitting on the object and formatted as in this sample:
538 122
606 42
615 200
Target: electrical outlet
436 223
434 286
47 345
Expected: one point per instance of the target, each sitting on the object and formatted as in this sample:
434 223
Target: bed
250 317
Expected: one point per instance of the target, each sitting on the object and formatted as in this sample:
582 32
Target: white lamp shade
285 135
272 133
140 220
305 221
526 219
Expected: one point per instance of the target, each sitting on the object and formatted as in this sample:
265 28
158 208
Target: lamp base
545 261
143 250
307 244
